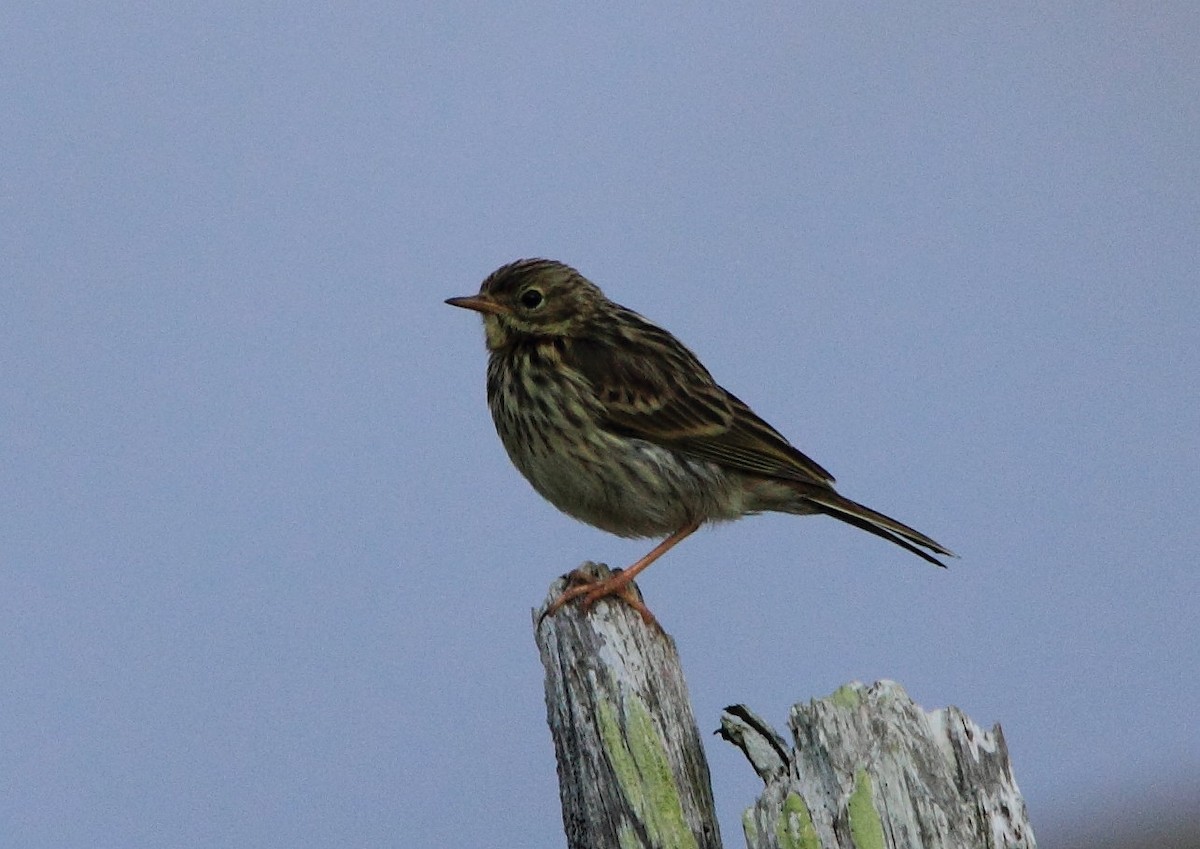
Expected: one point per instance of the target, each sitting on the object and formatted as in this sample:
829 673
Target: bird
617 423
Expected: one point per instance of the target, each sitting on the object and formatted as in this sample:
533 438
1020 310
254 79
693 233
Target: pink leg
617 584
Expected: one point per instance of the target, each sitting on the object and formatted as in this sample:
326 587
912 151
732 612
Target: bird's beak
479 303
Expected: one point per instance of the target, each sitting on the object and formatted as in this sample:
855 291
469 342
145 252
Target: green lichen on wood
794 828
866 829
639 761
846 696
627 837
749 826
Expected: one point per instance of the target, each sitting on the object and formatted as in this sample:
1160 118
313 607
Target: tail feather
873 522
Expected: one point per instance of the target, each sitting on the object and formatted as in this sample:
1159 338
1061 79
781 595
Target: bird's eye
531 299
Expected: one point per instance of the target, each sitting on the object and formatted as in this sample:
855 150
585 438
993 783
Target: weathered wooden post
631 766
866 768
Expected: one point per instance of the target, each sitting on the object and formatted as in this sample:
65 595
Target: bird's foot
584 583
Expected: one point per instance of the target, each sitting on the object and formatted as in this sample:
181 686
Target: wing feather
653 388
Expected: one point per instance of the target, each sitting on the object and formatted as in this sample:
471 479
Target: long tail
827 501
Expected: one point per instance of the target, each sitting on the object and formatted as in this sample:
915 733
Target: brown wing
654 388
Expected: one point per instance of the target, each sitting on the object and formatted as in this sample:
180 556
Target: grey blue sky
265 570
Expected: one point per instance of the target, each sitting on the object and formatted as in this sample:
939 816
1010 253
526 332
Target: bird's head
533 297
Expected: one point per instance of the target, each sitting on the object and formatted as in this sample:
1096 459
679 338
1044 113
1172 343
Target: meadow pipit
616 423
